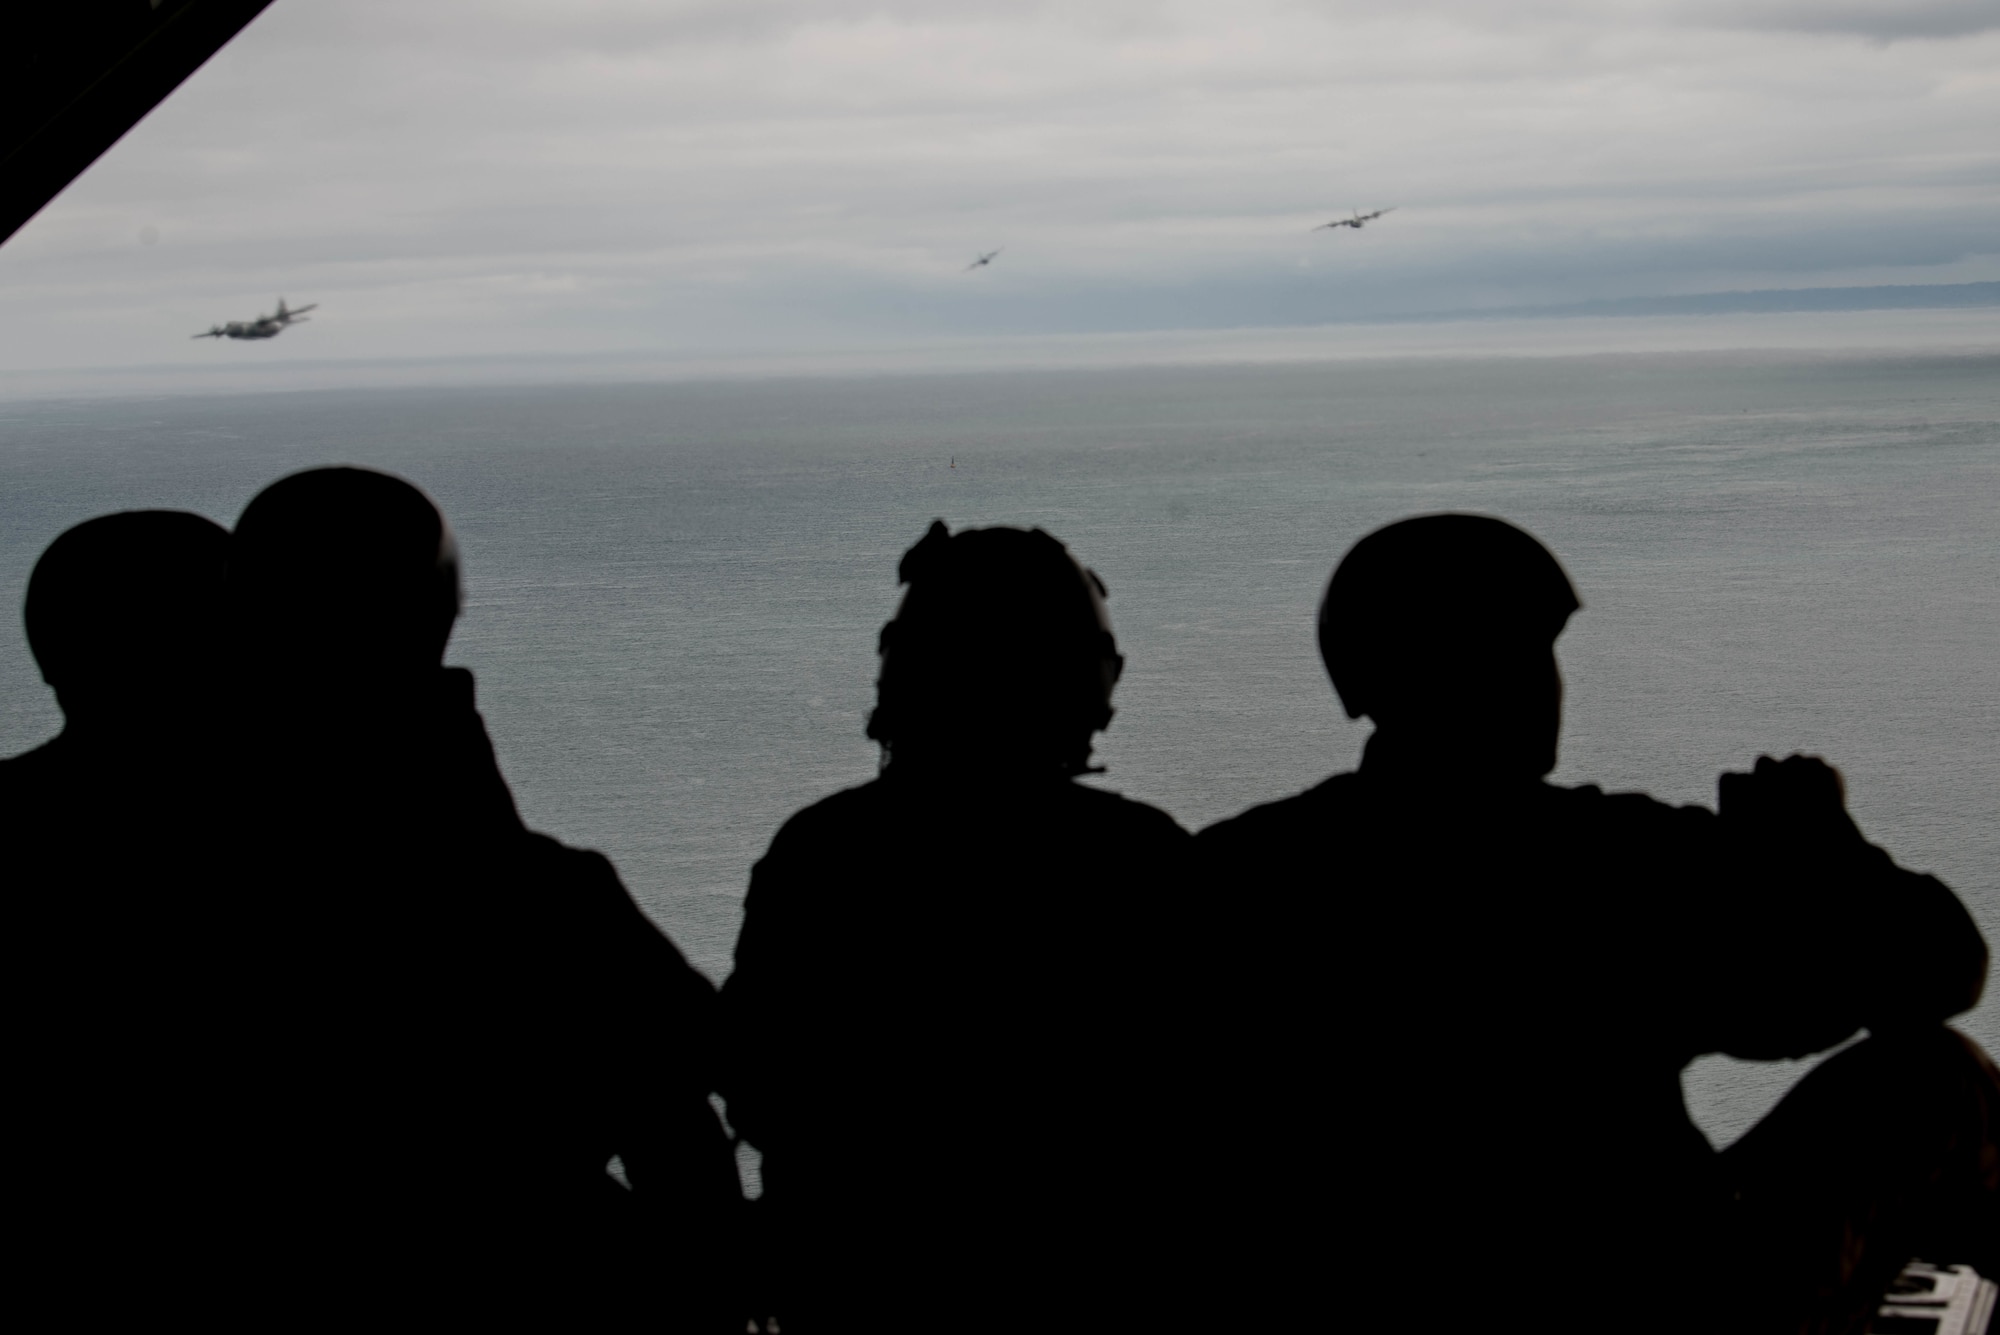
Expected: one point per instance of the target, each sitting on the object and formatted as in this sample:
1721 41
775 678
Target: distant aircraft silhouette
264 326
1357 222
985 259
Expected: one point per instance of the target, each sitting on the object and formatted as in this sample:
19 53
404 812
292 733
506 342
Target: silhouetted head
1442 630
124 613
1000 657
346 576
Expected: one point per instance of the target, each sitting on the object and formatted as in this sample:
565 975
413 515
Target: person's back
946 1012
104 832
1473 992
448 1025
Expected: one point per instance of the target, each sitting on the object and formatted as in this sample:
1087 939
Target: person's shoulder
846 811
1267 821
582 887
1635 830
838 827
581 879
26 779
1625 807
547 853
1110 808
35 761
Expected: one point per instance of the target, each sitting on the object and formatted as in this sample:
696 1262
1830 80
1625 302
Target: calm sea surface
674 590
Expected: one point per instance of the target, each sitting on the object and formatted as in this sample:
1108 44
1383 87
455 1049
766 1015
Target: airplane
1358 221
983 260
264 326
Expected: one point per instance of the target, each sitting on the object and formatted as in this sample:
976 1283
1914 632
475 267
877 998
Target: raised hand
1799 796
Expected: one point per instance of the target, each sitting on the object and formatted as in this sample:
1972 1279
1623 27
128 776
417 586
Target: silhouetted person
123 614
1468 994
442 1026
945 1014
101 831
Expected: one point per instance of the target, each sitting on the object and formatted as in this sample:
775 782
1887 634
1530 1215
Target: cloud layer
459 178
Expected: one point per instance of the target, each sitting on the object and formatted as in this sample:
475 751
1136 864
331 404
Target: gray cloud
451 178
1875 20
1880 20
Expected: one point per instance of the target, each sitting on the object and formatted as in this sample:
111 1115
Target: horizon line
1340 340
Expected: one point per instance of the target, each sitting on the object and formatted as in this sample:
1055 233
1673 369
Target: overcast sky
572 176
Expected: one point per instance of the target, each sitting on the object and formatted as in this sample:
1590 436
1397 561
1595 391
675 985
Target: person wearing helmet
1475 992
103 859
123 615
124 618
446 1026
947 1008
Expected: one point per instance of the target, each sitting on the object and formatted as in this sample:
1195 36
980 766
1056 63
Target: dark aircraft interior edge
79 73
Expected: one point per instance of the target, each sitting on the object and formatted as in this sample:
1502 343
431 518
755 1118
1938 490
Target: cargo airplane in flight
1358 221
264 326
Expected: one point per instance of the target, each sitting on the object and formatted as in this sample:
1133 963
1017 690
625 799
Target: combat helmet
1441 593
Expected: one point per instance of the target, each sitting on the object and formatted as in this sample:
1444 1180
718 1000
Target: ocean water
673 590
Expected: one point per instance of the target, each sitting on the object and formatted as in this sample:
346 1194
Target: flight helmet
1437 598
1001 653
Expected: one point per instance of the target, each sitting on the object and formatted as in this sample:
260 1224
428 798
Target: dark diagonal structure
77 74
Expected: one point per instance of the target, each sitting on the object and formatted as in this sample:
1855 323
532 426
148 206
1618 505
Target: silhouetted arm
1832 936
755 1002
657 1024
